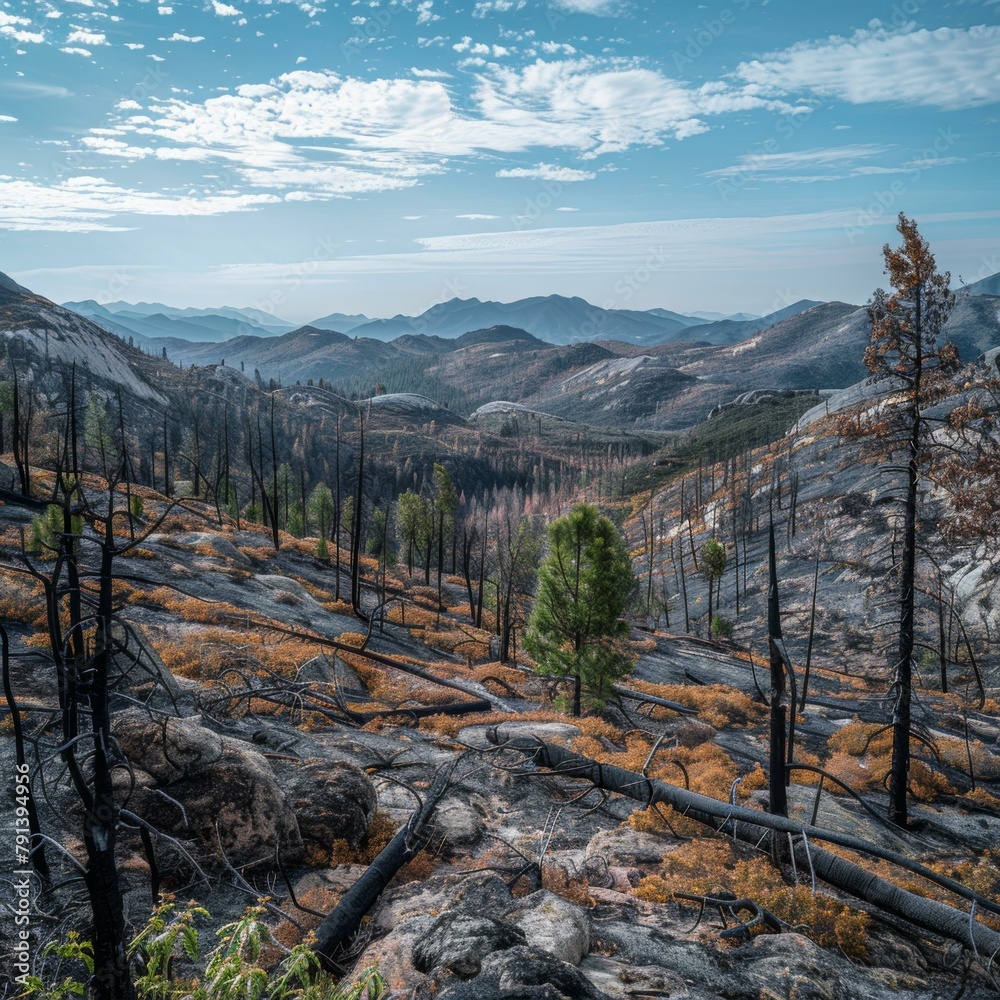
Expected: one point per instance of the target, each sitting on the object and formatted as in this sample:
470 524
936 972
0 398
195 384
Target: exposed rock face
553 924
331 802
456 824
229 793
460 941
523 972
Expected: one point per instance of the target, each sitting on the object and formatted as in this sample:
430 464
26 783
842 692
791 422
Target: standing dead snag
905 328
748 826
780 669
344 920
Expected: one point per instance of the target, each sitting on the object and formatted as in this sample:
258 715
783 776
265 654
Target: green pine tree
584 583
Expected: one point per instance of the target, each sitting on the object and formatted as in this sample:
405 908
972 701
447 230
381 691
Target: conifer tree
584 583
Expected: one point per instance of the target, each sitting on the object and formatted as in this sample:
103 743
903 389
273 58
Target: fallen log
342 923
749 825
343 647
632 695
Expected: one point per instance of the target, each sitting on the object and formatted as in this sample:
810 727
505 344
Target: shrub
722 628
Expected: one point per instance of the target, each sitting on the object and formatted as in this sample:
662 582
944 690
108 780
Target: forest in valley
340 689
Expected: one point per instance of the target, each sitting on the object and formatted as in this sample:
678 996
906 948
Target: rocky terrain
235 777
275 731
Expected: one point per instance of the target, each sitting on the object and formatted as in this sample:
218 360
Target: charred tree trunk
903 674
356 534
342 923
812 635
748 825
779 711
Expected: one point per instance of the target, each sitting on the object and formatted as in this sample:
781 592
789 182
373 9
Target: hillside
43 334
252 699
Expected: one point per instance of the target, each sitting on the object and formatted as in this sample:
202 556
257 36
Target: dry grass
708 866
861 757
717 704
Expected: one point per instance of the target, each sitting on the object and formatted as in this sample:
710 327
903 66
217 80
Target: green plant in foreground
73 949
722 628
232 970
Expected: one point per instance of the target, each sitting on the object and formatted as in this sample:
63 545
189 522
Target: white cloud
7 118
807 158
425 13
8 19
320 135
115 147
430 74
602 8
35 37
85 37
413 218
566 208
485 7
165 10
84 204
72 51
948 68
225 9
548 172
476 216
134 45
129 105
178 37
468 45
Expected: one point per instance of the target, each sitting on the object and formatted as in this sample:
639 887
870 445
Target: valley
304 566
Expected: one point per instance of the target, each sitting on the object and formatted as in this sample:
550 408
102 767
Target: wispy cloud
840 156
87 203
372 135
948 68
548 172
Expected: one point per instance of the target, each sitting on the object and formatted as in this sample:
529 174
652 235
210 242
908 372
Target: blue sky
310 156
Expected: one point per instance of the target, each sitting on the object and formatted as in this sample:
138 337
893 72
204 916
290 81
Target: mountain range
556 319
615 383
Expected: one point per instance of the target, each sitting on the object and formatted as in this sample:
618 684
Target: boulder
625 845
331 801
553 924
456 823
218 788
483 892
459 941
524 973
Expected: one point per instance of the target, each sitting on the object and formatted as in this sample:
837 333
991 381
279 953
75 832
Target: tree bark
344 920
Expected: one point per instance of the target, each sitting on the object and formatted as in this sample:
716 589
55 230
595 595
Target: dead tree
343 921
779 709
749 826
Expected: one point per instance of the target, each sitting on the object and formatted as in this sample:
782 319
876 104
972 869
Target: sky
305 157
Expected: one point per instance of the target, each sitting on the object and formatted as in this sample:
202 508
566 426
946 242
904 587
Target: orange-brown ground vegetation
710 865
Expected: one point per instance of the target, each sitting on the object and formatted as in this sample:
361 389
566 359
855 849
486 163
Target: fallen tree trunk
632 695
748 825
338 926
343 647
